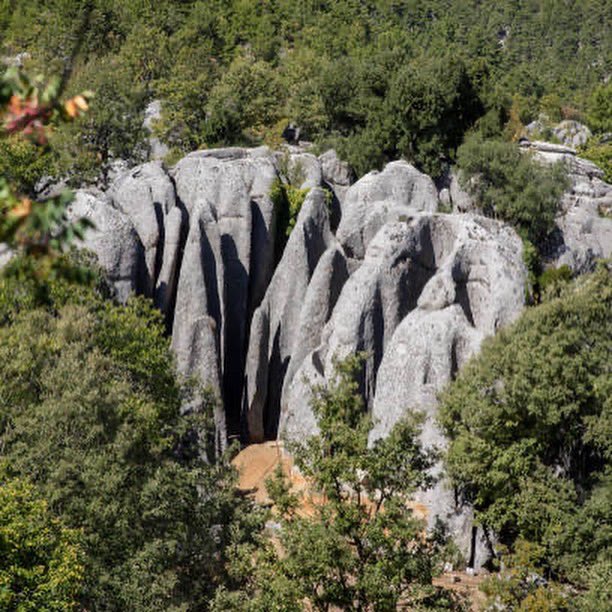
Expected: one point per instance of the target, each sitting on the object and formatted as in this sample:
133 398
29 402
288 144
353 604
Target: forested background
377 80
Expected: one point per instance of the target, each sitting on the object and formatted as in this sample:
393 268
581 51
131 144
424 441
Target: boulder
467 267
113 239
337 174
379 197
572 133
146 195
165 287
478 287
304 171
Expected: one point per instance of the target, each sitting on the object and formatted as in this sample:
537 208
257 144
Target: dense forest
378 80
114 492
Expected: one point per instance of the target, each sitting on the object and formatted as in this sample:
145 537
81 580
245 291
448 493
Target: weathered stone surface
469 267
461 201
195 333
146 195
416 290
478 287
304 171
337 174
379 197
325 286
572 133
165 287
114 240
584 221
228 259
276 323
153 113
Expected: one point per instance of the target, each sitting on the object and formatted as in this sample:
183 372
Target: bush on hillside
528 421
90 413
507 183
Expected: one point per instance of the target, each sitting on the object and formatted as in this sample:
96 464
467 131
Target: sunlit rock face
369 266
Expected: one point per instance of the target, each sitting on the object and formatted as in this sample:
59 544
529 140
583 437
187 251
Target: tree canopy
377 79
90 414
529 422
352 542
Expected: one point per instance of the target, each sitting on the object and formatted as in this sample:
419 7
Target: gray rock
336 173
325 286
113 239
165 288
276 323
195 333
461 200
379 197
146 195
398 263
478 287
229 259
549 147
152 114
428 291
584 224
304 171
572 133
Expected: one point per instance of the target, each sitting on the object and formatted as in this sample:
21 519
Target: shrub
90 413
527 422
40 559
359 548
510 185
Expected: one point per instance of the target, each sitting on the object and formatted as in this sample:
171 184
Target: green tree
361 548
247 96
40 559
90 413
509 184
529 422
599 108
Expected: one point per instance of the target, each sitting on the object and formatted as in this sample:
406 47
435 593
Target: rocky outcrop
146 196
114 240
379 197
460 275
337 174
227 263
369 267
584 222
277 323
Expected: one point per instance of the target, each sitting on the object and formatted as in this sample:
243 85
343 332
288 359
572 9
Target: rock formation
584 221
370 266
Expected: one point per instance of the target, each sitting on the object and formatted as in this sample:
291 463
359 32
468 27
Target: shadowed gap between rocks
235 285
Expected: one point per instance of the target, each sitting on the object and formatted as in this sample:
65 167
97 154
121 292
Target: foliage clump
90 414
376 79
40 559
509 184
353 543
529 422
